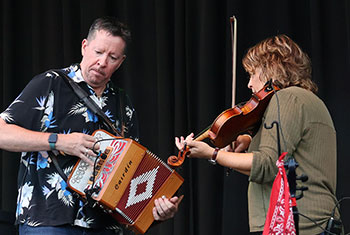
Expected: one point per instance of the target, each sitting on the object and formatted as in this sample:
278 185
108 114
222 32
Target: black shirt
48 104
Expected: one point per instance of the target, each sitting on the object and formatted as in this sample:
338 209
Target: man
307 134
49 116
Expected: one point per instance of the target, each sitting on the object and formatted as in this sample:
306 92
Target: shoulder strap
89 103
121 94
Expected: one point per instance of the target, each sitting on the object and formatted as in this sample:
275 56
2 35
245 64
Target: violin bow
233 23
233 27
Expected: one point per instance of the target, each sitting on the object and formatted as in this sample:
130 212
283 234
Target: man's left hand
165 208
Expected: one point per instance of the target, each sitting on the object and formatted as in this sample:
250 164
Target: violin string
200 133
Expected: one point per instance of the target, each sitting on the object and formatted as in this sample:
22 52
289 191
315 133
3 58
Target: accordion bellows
128 178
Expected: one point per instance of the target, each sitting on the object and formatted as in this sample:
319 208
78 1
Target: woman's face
255 84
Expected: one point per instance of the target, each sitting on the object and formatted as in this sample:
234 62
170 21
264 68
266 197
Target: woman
306 129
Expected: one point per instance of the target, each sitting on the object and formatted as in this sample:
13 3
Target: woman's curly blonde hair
281 60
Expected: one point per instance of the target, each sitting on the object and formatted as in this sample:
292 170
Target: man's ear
83 46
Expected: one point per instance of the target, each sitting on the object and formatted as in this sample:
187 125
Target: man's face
102 56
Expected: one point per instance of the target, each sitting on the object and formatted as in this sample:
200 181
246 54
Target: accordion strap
90 103
59 169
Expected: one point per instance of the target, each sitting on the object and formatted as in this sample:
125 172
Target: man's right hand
77 144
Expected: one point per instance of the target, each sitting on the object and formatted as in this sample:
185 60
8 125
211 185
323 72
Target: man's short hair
111 25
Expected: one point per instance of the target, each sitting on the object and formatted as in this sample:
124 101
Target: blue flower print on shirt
41 162
41 102
58 185
48 118
66 193
71 74
25 194
109 115
50 121
91 117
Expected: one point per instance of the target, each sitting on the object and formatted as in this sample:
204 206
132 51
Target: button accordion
125 180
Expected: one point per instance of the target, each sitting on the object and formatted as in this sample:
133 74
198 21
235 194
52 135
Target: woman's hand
180 142
242 143
197 149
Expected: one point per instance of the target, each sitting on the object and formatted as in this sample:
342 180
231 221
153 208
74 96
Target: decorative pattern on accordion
81 177
118 146
146 181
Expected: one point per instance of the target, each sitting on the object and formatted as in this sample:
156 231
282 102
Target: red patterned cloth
279 218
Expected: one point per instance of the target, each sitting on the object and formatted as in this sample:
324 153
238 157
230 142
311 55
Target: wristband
215 154
52 141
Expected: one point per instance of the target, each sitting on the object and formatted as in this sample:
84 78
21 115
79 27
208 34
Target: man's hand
165 208
77 144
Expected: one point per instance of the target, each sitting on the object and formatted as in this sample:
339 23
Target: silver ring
86 152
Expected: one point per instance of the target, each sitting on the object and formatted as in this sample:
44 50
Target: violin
232 122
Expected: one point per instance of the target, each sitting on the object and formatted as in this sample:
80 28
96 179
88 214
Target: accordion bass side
128 178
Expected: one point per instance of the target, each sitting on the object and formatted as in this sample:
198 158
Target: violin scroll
176 161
